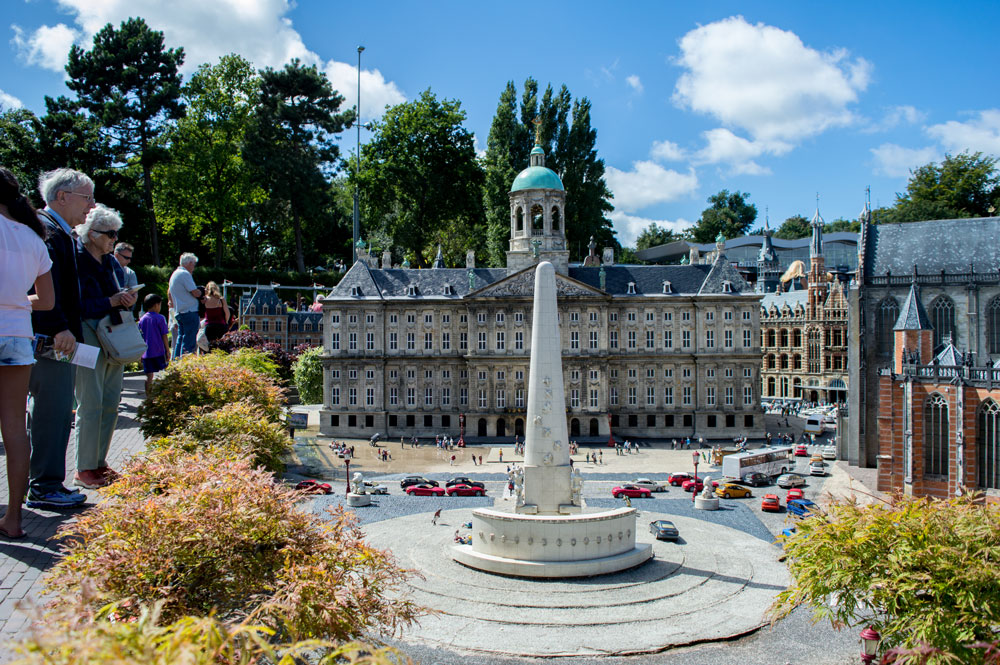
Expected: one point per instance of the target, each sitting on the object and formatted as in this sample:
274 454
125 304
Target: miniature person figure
576 482
437 514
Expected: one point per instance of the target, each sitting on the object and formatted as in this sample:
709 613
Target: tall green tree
653 236
19 141
206 184
130 82
421 182
730 214
964 185
570 146
293 148
794 227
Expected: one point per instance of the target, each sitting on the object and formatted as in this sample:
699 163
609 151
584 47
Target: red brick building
939 416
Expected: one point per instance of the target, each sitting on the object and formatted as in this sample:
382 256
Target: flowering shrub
246 339
237 430
307 374
80 636
209 381
205 535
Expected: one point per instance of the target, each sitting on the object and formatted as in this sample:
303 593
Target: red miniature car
631 491
462 489
801 450
677 479
794 493
424 490
770 503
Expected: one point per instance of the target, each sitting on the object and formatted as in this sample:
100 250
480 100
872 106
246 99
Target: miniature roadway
715 583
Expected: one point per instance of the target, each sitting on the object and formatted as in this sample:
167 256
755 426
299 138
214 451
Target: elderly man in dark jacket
68 196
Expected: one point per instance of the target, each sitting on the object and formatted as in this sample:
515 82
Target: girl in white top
24 262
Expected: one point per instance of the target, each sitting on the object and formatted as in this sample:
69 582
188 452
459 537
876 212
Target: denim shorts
16 351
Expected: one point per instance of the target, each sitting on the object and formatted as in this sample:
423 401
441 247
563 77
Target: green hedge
156 278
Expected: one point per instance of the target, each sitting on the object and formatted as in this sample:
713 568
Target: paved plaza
716 582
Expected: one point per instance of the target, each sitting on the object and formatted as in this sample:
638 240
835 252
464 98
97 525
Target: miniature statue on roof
592 261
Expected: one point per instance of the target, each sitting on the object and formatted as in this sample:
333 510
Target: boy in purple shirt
153 327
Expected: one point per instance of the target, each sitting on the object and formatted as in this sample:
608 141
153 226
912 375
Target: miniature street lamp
695 456
869 644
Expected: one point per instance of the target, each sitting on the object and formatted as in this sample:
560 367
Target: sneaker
91 479
62 498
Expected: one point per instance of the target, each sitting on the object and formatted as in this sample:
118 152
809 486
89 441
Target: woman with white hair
98 390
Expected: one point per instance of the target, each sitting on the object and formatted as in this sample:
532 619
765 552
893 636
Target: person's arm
166 348
225 310
44 297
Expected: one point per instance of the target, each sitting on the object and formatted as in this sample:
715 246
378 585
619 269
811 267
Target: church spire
816 245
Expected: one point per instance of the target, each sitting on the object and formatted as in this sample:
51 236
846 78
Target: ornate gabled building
803 330
265 314
954 266
649 351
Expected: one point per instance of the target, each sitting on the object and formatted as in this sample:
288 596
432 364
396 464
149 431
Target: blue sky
778 99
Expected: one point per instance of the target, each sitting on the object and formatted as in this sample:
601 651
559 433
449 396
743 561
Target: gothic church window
887 314
942 313
936 436
988 446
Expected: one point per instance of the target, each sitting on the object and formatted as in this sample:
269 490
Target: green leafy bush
238 431
78 636
204 534
307 374
209 381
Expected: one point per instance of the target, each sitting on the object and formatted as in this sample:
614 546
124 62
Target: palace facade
648 351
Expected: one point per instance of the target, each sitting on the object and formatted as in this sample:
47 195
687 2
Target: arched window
796 361
797 338
943 319
988 446
993 325
770 386
537 220
812 350
797 387
770 337
784 386
784 361
519 219
936 436
555 218
783 338
770 361
887 314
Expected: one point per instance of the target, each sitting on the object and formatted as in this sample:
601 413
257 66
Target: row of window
500 317
631 341
942 316
577 398
428 419
937 441
831 362
574 374
781 338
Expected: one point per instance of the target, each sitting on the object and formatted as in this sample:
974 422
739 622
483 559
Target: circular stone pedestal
356 500
706 503
576 545
715 583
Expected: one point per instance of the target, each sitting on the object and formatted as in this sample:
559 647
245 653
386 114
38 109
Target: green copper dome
536 177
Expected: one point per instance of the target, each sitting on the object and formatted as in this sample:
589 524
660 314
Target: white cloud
981 134
629 226
667 151
896 161
47 47
259 30
8 101
647 184
765 81
723 146
634 82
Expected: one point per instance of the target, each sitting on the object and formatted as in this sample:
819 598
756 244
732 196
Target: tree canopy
794 227
730 214
421 183
653 235
963 185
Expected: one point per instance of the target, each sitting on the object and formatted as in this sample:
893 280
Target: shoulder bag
119 336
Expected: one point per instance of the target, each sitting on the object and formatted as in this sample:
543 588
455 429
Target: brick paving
24 562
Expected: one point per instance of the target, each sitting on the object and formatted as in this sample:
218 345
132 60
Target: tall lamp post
695 456
357 174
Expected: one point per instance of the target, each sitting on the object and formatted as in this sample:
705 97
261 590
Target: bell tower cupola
537 214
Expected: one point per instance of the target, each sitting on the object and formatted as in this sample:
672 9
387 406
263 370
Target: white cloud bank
765 82
8 101
259 30
895 161
980 134
648 184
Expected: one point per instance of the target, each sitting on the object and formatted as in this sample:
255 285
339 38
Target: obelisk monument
547 471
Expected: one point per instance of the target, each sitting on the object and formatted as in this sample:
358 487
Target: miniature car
817 468
663 530
696 485
770 503
416 480
464 480
462 489
801 450
372 487
802 508
757 479
631 491
651 485
678 477
731 490
424 490
790 480
794 493
829 453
